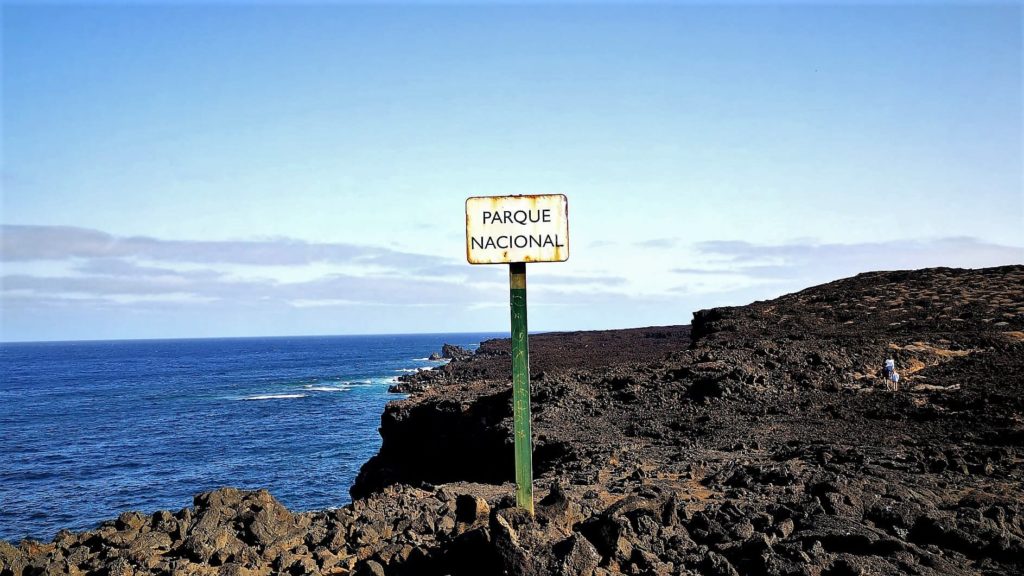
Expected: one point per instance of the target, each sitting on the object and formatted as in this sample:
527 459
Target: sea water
92 429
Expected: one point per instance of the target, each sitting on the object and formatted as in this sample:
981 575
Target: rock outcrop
453 352
761 443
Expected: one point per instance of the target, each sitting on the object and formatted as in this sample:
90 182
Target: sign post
516 230
521 386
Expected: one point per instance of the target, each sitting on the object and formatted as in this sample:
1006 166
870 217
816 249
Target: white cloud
83 272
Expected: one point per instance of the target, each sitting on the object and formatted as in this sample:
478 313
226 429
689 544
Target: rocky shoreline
758 440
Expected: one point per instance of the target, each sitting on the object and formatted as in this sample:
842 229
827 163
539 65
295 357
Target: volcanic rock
761 441
454 352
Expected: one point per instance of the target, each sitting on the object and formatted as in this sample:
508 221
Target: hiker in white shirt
892 379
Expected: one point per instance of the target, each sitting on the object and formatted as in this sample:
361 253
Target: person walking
892 379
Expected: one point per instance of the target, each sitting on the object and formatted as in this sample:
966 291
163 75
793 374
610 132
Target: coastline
147 425
757 442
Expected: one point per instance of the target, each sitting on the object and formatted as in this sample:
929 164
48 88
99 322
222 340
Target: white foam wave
312 388
355 383
273 396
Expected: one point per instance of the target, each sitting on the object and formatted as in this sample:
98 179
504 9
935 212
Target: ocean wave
273 396
312 388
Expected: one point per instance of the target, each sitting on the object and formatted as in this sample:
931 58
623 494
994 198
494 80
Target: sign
507 229
515 230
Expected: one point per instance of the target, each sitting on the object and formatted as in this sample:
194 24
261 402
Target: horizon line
266 337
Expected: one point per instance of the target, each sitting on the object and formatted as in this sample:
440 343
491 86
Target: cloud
334 287
499 273
336 290
577 280
126 268
657 243
35 243
51 267
65 271
827 261
77 286
483 273
86 266
26 243
703 272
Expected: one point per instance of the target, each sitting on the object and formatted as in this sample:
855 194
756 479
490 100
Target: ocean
92 429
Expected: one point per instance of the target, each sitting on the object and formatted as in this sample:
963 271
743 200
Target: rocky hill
761 440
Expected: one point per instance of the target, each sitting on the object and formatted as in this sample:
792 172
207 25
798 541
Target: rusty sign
507 229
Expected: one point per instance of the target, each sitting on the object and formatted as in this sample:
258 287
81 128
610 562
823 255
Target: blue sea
92 429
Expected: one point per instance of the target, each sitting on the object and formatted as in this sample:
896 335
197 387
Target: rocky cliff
762 442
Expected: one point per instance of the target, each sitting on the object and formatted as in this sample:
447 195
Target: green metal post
521 387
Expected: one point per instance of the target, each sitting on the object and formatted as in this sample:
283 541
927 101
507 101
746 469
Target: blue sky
241 169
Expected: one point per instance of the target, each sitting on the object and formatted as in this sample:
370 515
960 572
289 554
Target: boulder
471 511
12 559
581 558
453 352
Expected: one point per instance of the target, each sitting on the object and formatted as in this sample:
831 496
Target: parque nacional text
506 229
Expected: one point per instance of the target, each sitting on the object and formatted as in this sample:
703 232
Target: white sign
504 229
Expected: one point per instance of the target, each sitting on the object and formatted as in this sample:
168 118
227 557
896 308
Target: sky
237 169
